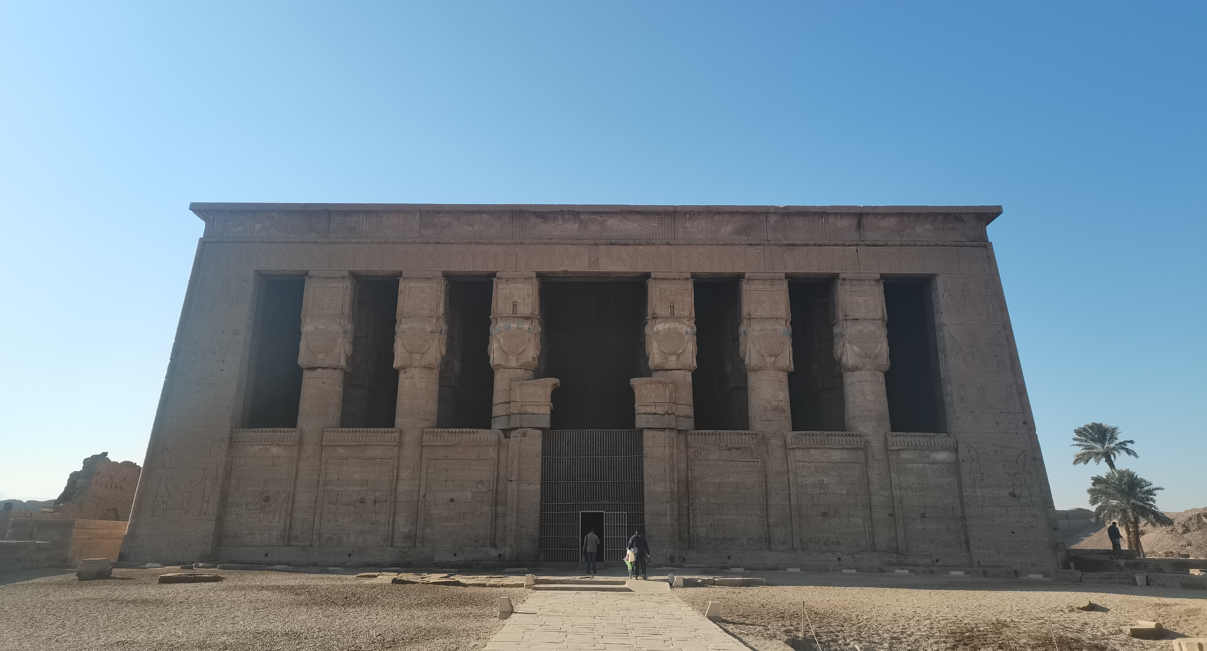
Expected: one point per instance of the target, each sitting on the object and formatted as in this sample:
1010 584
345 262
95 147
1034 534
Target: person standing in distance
637 543
1112 532
591 548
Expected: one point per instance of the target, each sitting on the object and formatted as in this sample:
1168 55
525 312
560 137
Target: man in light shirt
591 547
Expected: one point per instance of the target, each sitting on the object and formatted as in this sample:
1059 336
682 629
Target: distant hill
1188 535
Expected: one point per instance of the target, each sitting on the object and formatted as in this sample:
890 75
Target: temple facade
747 385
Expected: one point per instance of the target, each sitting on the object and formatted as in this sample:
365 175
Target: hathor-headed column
515 337
420 336
670 338
861 347
323 356
766 346
765 342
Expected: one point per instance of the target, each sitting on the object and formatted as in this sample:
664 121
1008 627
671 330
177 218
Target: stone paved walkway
650 619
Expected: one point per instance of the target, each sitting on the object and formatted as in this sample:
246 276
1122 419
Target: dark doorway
371 383
592 521
276 378
815 384
719 381
912 381
466 378
594 343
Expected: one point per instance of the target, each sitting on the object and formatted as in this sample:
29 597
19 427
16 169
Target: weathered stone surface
1190 644
189 577
973 494
1145 630
92 569
713 611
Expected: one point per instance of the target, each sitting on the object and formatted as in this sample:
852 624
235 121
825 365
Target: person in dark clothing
637 543
1113 533
591 547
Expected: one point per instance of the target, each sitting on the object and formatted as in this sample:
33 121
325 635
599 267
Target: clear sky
1086 121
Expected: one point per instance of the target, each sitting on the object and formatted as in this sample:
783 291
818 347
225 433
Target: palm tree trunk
1136 529
1110 463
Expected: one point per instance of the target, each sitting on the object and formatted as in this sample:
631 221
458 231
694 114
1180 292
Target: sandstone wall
213 490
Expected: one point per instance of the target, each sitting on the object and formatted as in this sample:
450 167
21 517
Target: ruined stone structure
469 383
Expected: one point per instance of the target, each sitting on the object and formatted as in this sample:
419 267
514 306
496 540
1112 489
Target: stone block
505 608
655 421
738 582
368 575
529 580
1145 630
714 611
1198 572
1190 644
91 569
1141 579
189 577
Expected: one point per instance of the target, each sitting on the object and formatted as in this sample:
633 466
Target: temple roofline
200 207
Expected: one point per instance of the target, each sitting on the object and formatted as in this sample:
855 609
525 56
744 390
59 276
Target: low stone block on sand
189 577
1145 630
92 569
713 612
1190 644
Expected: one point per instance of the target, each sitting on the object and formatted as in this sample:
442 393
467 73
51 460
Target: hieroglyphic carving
826 440
860 334
360 436
326 321
435 436
420 332
515 323
765 335
184 479
653 395
968 298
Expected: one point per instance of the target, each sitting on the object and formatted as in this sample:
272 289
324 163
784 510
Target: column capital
654 400
327 320
765 338
420 333
860 333
670 328
515 321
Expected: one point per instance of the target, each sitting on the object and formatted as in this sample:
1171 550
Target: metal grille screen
590 470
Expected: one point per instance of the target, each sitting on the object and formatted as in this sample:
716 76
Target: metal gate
590 470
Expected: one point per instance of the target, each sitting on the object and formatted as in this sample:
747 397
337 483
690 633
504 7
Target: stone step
580 587
1108 578
545 580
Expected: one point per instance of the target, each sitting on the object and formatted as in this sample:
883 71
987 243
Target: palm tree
1124 496
1100 442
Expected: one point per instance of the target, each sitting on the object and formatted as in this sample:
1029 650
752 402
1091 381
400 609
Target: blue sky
1084 120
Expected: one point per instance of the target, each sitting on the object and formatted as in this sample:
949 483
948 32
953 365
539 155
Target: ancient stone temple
748 385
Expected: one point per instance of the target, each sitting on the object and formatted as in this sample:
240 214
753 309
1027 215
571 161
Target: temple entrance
590 478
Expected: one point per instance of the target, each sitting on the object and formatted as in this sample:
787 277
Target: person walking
591 548
641 552
1112 532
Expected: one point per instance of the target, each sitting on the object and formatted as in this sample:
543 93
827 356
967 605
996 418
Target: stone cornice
431 223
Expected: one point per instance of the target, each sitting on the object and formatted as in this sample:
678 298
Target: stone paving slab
650 619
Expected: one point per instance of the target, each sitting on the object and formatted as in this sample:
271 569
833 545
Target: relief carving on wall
653 395
326 324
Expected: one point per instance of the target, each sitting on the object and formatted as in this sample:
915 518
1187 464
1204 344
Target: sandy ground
929 613
248 610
